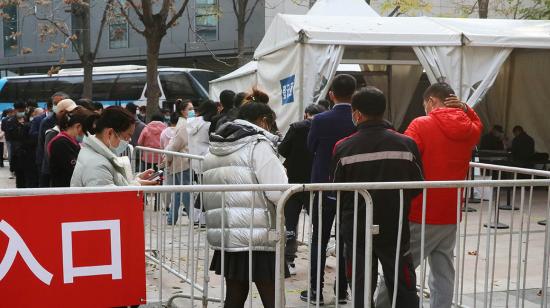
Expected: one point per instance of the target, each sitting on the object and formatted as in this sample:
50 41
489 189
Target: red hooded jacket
445 139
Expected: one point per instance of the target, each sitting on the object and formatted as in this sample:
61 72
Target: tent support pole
301 78
509 91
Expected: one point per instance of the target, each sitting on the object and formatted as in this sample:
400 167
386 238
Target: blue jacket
327 128
35 125
47 123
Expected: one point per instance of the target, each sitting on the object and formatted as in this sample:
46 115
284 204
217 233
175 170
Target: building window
118 30
9 26
118 35
206 20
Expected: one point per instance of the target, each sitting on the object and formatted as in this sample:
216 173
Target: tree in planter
243 11
79 35
156 17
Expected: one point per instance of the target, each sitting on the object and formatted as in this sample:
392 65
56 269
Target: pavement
501 274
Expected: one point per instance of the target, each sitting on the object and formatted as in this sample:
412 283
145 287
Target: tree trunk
87 85
153 90
483 9
240 43
83 14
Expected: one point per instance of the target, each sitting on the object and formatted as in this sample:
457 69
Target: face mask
54 109
31 118
191 114
79 138
166 118
122 146
353 120
21 114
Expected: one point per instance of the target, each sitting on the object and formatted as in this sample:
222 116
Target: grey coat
98 166
242 153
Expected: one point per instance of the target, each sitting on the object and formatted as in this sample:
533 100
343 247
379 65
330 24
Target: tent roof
249 68
342 8
403 31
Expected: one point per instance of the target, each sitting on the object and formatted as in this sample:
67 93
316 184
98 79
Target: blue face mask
79 139
191 114
20 114
54 109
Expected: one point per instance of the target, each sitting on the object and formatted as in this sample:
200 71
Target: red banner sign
82 250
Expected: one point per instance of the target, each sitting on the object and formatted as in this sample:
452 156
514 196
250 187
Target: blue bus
112 85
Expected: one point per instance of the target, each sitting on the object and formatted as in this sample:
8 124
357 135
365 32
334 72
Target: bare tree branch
251 11
177 15
136 9
126 16
108 6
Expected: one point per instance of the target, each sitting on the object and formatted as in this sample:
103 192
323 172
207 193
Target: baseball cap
66 105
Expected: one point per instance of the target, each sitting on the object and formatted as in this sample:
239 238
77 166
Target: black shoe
313 299
342 296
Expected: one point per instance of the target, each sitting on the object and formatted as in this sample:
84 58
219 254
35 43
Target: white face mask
122 146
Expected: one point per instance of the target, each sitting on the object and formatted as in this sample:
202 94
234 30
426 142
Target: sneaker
313 299
292 268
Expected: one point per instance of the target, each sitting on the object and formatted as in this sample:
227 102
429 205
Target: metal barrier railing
181 251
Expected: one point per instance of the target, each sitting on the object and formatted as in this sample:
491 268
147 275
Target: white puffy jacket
242 153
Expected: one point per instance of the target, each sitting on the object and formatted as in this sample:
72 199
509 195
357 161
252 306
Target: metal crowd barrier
179 254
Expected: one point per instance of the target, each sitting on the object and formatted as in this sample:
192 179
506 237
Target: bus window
103 86
204 78
177 85
128 87
72 85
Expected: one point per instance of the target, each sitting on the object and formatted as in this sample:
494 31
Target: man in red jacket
445 138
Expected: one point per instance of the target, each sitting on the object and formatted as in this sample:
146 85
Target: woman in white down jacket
243 152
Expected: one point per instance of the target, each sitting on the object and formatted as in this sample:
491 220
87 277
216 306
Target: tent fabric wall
279 76
469 70
521 96
404 79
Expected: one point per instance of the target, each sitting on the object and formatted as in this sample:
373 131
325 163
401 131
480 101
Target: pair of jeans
181 178
328 214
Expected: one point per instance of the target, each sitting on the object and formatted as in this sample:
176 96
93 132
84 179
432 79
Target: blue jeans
181 178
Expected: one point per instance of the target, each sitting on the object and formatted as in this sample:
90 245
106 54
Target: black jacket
63 155
523 148
376 153
298 159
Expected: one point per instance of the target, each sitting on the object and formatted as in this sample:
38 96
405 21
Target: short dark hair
49 103
227 99
132 108
157 117
314 109
517 129
325 103
85 102
343 86
253 111
142 108
19 105
238 99
174 118
369 101
207 109
440 90
97 106
60 93
32 103
115 117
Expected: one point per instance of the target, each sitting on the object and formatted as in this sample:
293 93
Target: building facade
204 37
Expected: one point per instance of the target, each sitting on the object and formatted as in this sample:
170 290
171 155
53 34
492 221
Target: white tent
299 55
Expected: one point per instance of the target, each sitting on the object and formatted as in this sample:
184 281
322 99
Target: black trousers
292 215
328 214
1 154
383 252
